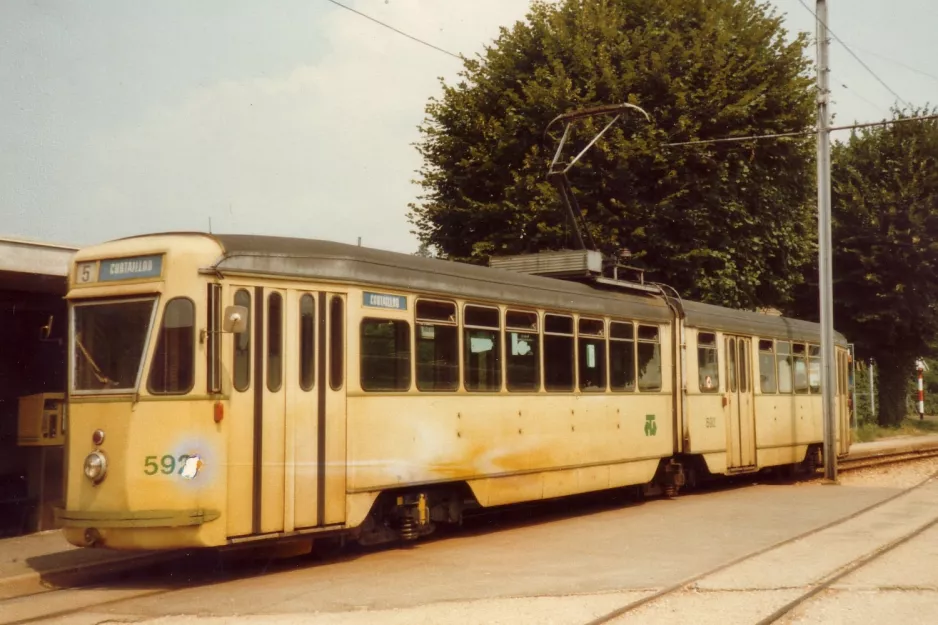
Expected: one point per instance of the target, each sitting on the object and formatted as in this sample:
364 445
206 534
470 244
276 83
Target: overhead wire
862 97
762 137
779 135
854 55
897 62
399 32
800 133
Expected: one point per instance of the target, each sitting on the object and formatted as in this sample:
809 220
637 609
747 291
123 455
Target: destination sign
383 300
131 268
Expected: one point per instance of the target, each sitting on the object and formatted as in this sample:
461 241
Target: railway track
843 572
887 458
810 590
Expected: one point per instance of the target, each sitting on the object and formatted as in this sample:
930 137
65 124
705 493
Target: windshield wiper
95 369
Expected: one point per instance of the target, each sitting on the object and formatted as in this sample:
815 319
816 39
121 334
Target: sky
293 118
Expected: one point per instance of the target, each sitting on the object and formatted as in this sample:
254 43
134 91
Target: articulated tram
225 389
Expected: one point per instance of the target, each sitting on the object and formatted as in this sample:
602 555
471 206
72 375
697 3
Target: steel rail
887 459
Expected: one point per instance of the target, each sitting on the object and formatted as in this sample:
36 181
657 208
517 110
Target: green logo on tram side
651 428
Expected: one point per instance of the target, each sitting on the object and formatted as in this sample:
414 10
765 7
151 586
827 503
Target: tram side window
558 353
523 356
482 349
385 355
838 371
213 338
844 372
784 361
591 355
307 342
172 371
801 368
708 367
767 366
242 345
274 342
622 356
730 345
649 359
814 368
437 346
848 378
336 343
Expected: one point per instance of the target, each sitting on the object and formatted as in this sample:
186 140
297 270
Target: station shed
33 331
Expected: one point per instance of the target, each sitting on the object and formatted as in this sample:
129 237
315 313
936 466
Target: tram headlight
95 466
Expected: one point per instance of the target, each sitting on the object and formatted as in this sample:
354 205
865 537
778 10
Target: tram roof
708 316
340 262
331 261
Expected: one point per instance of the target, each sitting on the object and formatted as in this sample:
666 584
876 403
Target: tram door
315 401
286 427
740 413
257 421
842 401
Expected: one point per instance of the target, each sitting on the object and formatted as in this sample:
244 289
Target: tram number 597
167 464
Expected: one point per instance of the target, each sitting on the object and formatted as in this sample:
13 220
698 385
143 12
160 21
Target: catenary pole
824 243
920 367
921 396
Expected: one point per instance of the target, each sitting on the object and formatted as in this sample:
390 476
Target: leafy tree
884 204
424 250
729 223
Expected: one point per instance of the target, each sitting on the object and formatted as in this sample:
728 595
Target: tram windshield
108 344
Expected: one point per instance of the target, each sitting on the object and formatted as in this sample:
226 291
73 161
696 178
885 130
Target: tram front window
108 343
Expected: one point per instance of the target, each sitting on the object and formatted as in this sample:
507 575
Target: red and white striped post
920 367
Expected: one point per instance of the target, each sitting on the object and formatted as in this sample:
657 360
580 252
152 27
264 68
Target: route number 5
85 273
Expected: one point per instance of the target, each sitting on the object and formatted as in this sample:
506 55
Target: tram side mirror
236 319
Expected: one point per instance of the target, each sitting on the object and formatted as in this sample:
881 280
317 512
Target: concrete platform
40 562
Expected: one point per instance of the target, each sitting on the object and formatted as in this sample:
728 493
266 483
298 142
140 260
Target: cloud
323 150
124 119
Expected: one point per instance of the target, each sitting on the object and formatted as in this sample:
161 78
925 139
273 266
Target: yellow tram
231 388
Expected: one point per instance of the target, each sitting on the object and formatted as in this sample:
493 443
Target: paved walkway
31 563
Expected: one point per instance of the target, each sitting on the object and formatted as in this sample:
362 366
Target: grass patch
909 427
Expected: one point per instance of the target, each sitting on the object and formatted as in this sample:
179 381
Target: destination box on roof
131 268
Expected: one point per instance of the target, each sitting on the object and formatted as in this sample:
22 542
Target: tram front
145 450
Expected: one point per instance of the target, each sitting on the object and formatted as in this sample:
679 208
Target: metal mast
825 282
